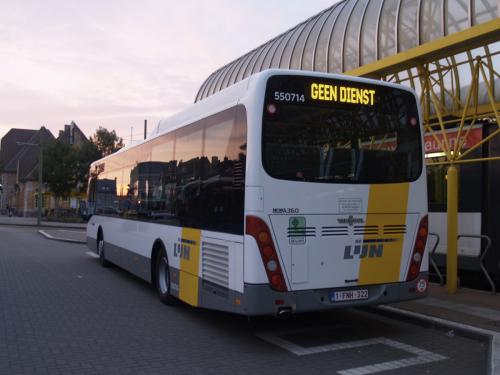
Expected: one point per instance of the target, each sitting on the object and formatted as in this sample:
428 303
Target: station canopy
403 41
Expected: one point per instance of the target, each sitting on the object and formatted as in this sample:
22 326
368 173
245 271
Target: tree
66 167
59 169
84 156
107 142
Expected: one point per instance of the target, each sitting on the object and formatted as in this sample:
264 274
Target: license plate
349 295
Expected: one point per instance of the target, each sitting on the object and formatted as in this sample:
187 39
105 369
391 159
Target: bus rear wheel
162 278
101 250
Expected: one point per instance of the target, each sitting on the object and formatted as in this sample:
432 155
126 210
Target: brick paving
61 313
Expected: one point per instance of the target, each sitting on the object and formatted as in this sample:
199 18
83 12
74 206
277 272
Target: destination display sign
342 94
323 91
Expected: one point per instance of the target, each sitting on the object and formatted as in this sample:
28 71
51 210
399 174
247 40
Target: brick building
19 152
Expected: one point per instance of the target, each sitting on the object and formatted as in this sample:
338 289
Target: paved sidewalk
473 310
32 221
468 306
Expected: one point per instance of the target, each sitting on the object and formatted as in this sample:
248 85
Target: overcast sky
115 63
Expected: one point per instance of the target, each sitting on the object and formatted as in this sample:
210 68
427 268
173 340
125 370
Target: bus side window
223 180
188 153
162 180
90 206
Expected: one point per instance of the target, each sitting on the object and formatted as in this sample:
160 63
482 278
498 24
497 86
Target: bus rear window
339 132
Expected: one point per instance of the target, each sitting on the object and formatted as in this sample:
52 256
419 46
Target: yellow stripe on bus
387 205
188 275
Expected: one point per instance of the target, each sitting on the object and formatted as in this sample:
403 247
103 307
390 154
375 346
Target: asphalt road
61 313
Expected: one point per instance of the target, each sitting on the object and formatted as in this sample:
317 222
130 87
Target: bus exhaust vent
215 263
366 229
334 231
394 229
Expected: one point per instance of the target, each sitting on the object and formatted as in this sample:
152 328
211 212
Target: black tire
162 277
102 251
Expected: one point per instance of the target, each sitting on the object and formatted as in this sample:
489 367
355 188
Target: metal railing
433 263
481 256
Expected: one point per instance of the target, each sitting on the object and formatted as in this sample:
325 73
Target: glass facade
407 25
351 40
312 38
369 31
323 42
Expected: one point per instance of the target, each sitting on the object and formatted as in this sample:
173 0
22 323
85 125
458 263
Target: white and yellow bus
289 191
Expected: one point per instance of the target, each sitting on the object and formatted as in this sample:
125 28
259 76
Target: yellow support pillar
452 207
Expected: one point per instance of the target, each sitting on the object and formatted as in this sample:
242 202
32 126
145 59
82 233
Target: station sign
431 145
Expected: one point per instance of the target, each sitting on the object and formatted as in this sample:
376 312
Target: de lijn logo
297 230
351 220
182 248
364 251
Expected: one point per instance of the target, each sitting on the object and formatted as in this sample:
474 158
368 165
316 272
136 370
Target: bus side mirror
1 188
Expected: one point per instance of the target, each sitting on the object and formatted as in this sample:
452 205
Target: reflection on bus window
185 189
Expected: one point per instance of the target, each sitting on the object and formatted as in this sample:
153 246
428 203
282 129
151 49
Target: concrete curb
50 237
44 225
493 364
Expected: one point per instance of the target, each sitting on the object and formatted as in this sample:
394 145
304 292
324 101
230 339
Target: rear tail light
259 230
418 249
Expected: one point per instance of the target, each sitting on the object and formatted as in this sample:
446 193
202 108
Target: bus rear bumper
262 300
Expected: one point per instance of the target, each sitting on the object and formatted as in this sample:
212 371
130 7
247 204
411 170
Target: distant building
72 135
19 152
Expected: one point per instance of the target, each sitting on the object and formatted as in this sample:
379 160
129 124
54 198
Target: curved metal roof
353 33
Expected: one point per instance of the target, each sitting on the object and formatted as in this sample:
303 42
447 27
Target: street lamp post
40 170
40 181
